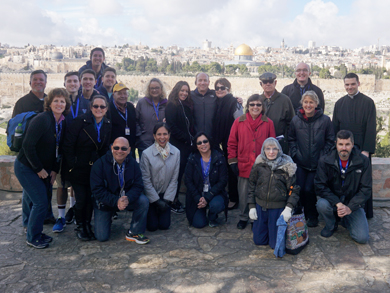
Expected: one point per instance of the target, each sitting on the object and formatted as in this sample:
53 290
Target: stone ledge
8 180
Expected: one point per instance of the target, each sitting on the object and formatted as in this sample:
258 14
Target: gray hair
312 95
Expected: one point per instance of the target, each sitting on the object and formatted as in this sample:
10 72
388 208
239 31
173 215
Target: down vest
310 139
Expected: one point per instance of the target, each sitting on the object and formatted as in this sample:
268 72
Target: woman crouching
272 191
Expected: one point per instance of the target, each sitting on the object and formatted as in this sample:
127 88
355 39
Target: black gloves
161 205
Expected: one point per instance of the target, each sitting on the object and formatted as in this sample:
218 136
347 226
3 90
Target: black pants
305 179
83 207
232 183
184 154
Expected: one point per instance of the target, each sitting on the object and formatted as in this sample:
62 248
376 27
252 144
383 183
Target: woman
246 138
179 114
87 139
206 179
149 111
37 164
311 135
160 165
227 111
272 192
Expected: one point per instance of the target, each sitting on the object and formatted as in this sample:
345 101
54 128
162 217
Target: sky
187 23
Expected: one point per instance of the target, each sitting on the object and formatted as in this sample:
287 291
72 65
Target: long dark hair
199 134
174 95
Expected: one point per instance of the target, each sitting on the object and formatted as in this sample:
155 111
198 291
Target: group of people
279 152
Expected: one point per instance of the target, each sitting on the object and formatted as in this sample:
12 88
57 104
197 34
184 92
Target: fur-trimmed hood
287 164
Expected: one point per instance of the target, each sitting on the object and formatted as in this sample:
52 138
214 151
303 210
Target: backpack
24 118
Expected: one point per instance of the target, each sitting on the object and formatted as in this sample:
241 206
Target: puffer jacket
270 189
310 139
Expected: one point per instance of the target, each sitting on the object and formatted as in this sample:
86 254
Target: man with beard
344 183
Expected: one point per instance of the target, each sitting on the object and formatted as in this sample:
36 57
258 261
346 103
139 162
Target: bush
4 149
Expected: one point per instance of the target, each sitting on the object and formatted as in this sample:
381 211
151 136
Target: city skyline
349 24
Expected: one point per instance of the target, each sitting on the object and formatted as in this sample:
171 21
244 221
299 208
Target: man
301 84
108 81
122 116
278 108
116 184
96 64
87 78
78 107
344 183
33 101
357 113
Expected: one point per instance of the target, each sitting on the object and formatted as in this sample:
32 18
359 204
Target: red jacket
244 145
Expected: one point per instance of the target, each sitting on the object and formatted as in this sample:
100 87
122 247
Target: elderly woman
272 192
160 165
37 164
311 135
206 179
149 111
246 138
228 109
87 139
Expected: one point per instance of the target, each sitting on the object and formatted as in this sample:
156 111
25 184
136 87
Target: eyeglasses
267 81
255 104
202 141
122 148
221 88
155 88
101 107
271 149
301 70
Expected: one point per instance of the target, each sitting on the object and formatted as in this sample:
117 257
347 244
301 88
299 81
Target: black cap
267 76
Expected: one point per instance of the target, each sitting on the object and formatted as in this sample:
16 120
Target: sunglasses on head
101 107
222 88
122 148
267 81
202 141
254 104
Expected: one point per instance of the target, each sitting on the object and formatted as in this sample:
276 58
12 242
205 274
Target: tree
325 73
163 66
215 67
151 65
141 64
133 95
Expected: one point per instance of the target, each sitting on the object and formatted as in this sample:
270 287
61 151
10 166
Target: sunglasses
122 148
267 81
202 141
101 107
254 104
222 88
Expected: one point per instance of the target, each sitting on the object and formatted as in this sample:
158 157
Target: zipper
91 163
269 186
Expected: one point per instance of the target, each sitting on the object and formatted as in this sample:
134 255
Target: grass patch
4 125
4 149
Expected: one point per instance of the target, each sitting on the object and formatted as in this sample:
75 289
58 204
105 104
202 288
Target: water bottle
18 137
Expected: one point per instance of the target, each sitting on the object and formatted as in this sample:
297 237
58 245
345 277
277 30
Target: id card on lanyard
156 109
127 129
205 173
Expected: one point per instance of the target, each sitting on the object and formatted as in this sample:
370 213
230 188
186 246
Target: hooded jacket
99 74
358 180
273 187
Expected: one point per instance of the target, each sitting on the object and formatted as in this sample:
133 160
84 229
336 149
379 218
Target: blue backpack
24 118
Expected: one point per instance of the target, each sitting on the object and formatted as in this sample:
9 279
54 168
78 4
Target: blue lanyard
74 115
205 173
343 171
119 112
98 127
156 108
58 133
120 174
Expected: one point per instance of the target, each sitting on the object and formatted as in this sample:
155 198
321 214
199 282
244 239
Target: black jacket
204 110
39 145
119 124
293 91
29 102
358 182
105 185
218 178
310 139
81 147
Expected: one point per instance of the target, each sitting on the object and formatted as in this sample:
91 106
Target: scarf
164 152
254 124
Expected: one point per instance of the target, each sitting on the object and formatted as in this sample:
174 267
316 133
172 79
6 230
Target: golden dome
243 50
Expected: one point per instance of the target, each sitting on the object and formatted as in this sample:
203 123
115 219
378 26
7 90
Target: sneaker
137 238
46 238
177 208
59 225
115 216
38 243
69 216
213 224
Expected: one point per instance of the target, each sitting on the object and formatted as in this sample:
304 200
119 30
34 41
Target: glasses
221 88
267 81
122 148
301 70
254 104
155 88
202 141
271 149
101 107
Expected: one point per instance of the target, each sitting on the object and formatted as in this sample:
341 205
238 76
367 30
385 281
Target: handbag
297 233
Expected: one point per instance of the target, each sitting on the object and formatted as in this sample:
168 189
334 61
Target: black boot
81 232
90 231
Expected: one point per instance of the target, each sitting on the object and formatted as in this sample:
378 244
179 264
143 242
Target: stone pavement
185 259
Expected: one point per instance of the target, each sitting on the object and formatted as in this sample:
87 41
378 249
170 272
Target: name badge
205 188
127 131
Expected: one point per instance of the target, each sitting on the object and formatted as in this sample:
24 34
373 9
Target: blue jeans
265 230
35 192
103 219
356 222
305 179
216 205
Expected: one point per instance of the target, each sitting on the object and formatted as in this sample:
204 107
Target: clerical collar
354 95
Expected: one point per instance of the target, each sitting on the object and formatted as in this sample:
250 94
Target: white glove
253 214
287 212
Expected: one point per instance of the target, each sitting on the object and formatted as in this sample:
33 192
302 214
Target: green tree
151 65
141 64
325 73
163 66
133 95
215 67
